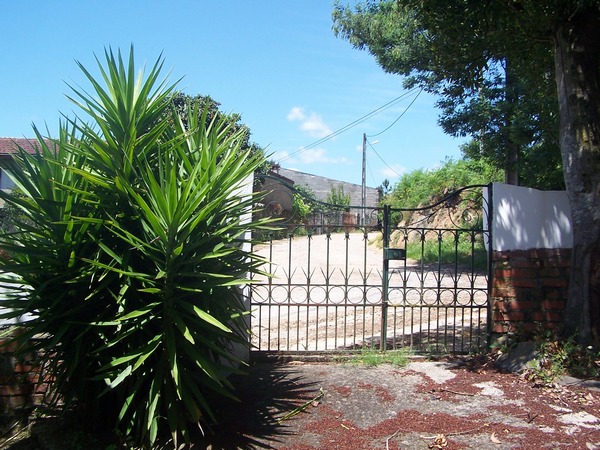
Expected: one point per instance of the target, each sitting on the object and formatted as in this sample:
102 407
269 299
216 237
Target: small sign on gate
394 254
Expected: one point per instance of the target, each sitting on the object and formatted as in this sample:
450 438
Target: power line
399 117
388 166
390 126
354 123
370 171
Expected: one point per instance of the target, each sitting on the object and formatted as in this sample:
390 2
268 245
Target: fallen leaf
494 439
439 442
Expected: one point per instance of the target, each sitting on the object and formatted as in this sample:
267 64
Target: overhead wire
399 117
388 166
370 171
390 126
354 123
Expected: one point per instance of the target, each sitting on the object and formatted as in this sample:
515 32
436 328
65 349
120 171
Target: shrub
303 204
129 248
337 199
423 187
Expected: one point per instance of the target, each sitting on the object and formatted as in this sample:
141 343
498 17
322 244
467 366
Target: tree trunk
577 61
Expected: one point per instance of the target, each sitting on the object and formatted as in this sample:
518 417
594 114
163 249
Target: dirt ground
444 405
449 405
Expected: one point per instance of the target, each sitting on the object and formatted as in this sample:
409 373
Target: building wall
21 385
530 289
279 197
322 186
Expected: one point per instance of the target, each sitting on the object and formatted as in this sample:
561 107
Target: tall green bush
336 196
302 205
423 187
128 252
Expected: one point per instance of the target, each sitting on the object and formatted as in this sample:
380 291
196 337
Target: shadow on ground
267 393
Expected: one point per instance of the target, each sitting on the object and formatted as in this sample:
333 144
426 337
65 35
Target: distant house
322 186
8 147
279 197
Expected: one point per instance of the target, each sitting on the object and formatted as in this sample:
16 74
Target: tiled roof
8 146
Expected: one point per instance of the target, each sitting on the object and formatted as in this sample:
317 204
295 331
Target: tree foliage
303 202
128 252
485 89
423 187
338 197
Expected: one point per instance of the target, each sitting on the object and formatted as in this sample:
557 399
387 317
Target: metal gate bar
307 308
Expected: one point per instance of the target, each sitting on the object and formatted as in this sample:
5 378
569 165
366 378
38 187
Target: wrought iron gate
348 278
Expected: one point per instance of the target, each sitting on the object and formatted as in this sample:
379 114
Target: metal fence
390 278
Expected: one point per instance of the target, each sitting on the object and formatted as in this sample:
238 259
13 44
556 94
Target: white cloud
315 126
309 156
312 124
319 155
296 113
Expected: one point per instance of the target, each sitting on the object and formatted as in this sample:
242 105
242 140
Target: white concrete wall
12 290
5 181
525 218
242 351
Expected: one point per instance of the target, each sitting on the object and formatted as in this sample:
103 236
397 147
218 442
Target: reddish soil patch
382 393
344 391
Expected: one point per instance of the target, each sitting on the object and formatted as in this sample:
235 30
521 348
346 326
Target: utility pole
364 181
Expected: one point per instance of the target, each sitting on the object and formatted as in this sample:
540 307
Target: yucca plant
131 255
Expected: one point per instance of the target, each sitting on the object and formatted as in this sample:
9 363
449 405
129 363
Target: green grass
465 253
373 357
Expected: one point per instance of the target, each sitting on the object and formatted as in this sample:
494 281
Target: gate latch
394 254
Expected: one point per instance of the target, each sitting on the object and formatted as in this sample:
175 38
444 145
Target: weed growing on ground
561 357
373 357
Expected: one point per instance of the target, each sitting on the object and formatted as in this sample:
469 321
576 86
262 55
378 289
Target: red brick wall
20 389
529 289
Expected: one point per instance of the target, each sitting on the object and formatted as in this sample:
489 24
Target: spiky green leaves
132 254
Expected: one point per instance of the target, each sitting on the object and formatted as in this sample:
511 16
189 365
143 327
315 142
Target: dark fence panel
387 278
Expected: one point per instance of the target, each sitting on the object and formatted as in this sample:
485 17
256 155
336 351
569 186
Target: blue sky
275 62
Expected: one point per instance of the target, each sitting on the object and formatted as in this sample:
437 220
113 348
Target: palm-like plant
131 254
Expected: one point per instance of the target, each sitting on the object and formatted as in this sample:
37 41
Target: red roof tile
8 146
